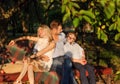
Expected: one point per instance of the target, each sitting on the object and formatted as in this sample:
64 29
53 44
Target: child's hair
46 30
73 33
55 24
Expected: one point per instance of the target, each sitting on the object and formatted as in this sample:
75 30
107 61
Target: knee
30 67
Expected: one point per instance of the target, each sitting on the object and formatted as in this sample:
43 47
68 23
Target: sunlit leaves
66 16
115 25
102 35
109 9
87 19
118 5
87 13
117 36
76 22
68 8
101 13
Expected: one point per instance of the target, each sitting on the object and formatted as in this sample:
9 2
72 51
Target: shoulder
62 35
76 44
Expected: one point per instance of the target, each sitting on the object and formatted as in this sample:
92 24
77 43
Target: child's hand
84 61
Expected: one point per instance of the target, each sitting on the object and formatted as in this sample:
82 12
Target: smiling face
44 32
41 32
71 37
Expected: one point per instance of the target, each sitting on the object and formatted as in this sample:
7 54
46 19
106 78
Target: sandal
17 82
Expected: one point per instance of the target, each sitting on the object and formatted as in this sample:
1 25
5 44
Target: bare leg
31 74
24 70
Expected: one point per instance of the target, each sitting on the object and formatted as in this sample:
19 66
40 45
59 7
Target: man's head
56 27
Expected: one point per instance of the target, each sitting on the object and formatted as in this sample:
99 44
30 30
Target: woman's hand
12 42
45 58
33 56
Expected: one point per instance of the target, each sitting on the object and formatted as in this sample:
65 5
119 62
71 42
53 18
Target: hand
45 58
12 42
83 62
32 56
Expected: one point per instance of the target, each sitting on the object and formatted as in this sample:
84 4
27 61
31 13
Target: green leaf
118 5
87 19
76 22
76 5
104 37
66 16
118 72
87 13
70 5
109 9
117 36
98 33
118 25
112 27
74 12
80 18
102 2
63 8
64 1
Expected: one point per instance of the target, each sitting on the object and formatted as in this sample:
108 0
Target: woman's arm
27 38
43 51
12 42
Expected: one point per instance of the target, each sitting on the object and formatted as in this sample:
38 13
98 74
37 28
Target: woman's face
59 30
41 32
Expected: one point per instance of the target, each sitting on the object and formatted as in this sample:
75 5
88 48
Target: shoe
17 82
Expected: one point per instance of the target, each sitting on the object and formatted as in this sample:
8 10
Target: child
77 55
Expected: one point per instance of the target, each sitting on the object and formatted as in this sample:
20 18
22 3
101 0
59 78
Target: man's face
59 30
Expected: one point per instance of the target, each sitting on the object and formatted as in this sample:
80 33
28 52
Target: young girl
37 62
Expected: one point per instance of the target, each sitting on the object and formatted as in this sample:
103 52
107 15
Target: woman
37 62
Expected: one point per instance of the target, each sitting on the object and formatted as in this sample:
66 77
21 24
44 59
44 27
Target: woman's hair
47 31
55 24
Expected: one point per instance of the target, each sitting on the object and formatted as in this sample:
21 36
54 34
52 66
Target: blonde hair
46 30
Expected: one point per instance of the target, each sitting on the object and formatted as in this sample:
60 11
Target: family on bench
55 52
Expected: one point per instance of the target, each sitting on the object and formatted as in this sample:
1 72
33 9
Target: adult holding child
40 61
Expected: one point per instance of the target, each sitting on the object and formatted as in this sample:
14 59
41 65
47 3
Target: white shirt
73 50
59 49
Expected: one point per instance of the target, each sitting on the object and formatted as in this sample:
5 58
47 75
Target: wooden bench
103 73
40 78
19 50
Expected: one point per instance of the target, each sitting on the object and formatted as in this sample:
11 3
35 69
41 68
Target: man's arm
48 48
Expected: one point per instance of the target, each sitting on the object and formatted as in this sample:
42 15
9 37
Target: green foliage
109 9
76 22
117 77
102 35
117 36
116 65
97 13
